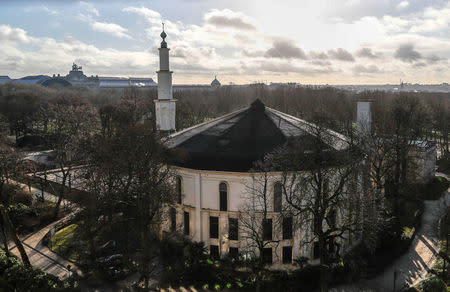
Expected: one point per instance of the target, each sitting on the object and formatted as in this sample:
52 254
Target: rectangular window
234 252
223 201
287 228
213 227
173 219
287 254
316 250
179 189
267 229
267 255
277 197
214 251
233 232
186 223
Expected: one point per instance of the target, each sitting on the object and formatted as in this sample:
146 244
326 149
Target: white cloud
89 7
151 16
366 70
433 20
233 45
110 28
105 27
402 5
228 19
93 10
50 11
341 55
52 56
7 33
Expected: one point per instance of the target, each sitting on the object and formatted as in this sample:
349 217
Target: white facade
201 200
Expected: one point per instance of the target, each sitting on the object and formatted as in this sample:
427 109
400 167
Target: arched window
179 189
277 197
223 194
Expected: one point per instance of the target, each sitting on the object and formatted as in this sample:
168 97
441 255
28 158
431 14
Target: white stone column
198 208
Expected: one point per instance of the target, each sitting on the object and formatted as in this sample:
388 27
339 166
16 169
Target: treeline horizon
22 105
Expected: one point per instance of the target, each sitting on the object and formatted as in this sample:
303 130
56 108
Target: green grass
408 232
45 205
61 242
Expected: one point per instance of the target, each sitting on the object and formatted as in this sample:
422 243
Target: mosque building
214 175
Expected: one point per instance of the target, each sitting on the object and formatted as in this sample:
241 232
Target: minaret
165 104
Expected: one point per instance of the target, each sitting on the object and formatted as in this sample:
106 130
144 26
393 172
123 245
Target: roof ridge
329 131
212 123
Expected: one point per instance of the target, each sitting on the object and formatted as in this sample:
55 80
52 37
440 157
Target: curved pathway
411 267
41 256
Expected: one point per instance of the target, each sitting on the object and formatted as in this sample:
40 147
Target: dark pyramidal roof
235 141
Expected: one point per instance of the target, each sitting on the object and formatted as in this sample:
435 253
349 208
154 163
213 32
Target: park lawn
62 242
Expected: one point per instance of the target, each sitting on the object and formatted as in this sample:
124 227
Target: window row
233 228
173 221
266 253
223 195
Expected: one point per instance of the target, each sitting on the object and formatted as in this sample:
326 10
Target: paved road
37 194
40 255
412 266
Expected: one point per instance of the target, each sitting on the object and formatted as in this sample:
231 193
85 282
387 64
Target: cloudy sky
306 41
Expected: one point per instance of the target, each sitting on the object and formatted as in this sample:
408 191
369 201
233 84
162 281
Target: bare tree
259 224
71 121
322 187
9 167
131 182
407 126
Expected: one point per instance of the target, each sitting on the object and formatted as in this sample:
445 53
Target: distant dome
215 83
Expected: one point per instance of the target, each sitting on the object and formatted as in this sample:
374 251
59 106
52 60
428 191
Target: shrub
433 284
22 196
13 194
434 189
186 263
412 289
408 232
16 277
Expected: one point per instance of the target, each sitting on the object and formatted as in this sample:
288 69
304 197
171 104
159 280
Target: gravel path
412 266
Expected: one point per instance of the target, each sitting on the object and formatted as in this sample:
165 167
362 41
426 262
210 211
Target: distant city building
76 78
4 79
215 83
